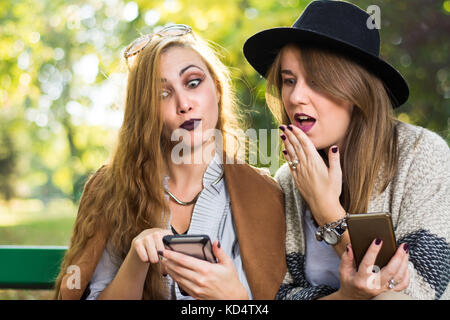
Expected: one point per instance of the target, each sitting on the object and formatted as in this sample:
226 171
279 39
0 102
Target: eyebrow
163 80
289 72
189 66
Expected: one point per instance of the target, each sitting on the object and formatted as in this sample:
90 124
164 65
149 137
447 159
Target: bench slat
30 267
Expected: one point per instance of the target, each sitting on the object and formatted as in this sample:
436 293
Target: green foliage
62 74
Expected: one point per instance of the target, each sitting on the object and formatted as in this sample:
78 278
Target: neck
189 173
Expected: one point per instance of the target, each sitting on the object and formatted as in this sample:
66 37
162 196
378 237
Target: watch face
330 237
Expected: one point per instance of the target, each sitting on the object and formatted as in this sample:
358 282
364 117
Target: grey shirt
212 216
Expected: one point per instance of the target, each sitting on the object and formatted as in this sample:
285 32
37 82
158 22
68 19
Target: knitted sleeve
295 285
424 217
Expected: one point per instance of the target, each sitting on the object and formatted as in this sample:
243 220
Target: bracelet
337 227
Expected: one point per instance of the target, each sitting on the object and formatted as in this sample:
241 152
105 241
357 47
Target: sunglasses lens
174 30
137 45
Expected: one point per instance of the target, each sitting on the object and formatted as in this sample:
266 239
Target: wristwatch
332 232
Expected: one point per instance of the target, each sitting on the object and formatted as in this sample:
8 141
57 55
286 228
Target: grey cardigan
418 198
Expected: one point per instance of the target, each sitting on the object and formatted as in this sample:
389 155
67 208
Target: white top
212 216
322 262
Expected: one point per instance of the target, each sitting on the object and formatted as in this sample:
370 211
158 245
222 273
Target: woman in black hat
346 153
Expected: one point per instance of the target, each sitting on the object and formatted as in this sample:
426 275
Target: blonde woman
176 82
346 153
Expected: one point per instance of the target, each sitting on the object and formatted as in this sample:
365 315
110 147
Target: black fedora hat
339 26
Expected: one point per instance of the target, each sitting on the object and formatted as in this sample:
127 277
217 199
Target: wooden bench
30 267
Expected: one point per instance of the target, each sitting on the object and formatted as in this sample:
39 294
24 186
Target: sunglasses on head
174 30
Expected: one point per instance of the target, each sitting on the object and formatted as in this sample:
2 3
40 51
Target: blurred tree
8 158
62 76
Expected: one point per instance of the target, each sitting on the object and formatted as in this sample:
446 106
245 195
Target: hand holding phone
197 246
364 228
373 245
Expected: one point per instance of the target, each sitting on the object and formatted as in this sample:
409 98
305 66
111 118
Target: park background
63 77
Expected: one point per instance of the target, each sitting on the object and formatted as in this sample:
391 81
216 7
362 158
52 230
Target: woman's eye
164 94
288 81
194 83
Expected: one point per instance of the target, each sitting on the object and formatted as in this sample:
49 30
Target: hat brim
261 49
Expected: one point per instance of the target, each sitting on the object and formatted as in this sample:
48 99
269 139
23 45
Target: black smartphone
364 228
197 246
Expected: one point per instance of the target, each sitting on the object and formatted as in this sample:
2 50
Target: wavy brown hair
371 141
126 196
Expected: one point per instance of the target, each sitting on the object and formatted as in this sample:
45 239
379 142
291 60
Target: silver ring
392 283
293 164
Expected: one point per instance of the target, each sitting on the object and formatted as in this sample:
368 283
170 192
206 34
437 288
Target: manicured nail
406 247
282 128
290 127
378 241
283 137
285 152
334 149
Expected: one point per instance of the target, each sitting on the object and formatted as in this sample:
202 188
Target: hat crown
343 21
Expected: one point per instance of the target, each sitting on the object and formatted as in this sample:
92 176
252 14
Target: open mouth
304 121
190 124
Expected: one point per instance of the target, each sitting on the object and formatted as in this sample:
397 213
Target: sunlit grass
22 211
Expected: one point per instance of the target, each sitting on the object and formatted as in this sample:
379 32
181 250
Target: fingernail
285 152
406 247
282 128
378 241
290 127
334 149
218 244
283 137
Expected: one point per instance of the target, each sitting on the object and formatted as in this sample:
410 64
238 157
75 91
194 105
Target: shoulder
263 174
94 180
423 160
416 140
421 151
91 189
240 175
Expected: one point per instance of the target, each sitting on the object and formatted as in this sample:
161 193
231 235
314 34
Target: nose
184 104
300 94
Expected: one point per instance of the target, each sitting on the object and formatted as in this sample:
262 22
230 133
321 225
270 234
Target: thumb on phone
347 260
220 254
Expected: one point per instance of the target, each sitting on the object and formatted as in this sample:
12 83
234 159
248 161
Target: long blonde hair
371 140
128 196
